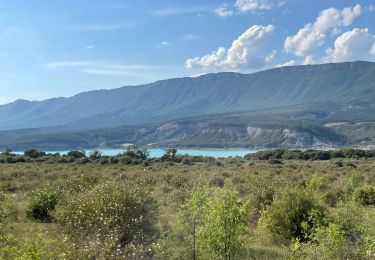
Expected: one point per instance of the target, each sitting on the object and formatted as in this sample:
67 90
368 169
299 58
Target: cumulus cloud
309 60
312 36
357 44
247 51
253 5
247 6
289 63
224 11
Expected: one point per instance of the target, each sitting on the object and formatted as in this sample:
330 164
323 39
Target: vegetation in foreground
278 204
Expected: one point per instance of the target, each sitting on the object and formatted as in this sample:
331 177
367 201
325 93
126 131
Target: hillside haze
204 95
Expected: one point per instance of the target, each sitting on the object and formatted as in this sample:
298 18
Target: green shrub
365 195
275 161
223 225
42 204
76 154
3 207
187 161
109 218
343 237
33 153
294 213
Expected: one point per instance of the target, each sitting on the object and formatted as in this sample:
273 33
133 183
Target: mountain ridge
207 94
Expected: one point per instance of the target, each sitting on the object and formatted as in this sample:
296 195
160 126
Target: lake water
159 152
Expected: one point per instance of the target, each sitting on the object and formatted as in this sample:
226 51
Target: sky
64 47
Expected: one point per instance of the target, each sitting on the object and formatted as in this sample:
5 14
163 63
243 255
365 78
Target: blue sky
63 47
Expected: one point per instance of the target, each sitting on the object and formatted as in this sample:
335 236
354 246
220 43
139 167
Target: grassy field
167 189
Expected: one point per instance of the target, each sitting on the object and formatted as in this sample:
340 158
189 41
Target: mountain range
297 106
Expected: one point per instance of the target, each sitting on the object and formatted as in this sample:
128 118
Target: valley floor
170 185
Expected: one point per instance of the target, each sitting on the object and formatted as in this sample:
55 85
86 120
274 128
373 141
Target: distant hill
351 83
325 124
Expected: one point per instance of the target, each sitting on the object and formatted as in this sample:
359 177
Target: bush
365 195
187 161
109 218
42 204
275 161
76 154
33 153
223 225
343 237
294 214
3 206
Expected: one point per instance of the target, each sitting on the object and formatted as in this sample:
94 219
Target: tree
7 151
95 154
77 154
182 242
193 213
33 153
171 152
224 223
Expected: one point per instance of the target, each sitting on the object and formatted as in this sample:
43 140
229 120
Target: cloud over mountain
357 44
247 51
312 36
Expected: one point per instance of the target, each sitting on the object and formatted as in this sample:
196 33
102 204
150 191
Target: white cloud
107 68
253 5
247 6
164 44
357 44
214 59
312 36
224 11
309 60
289 63
198 75
90 47
247 51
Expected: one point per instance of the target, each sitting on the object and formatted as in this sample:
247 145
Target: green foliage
42 204
183 242
33 153
136 152
209 226
223 225
13 248
294 213
365 195
76 154
170 152
275 161
109 218
92 217
310 154
343 237
10 246
3 215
